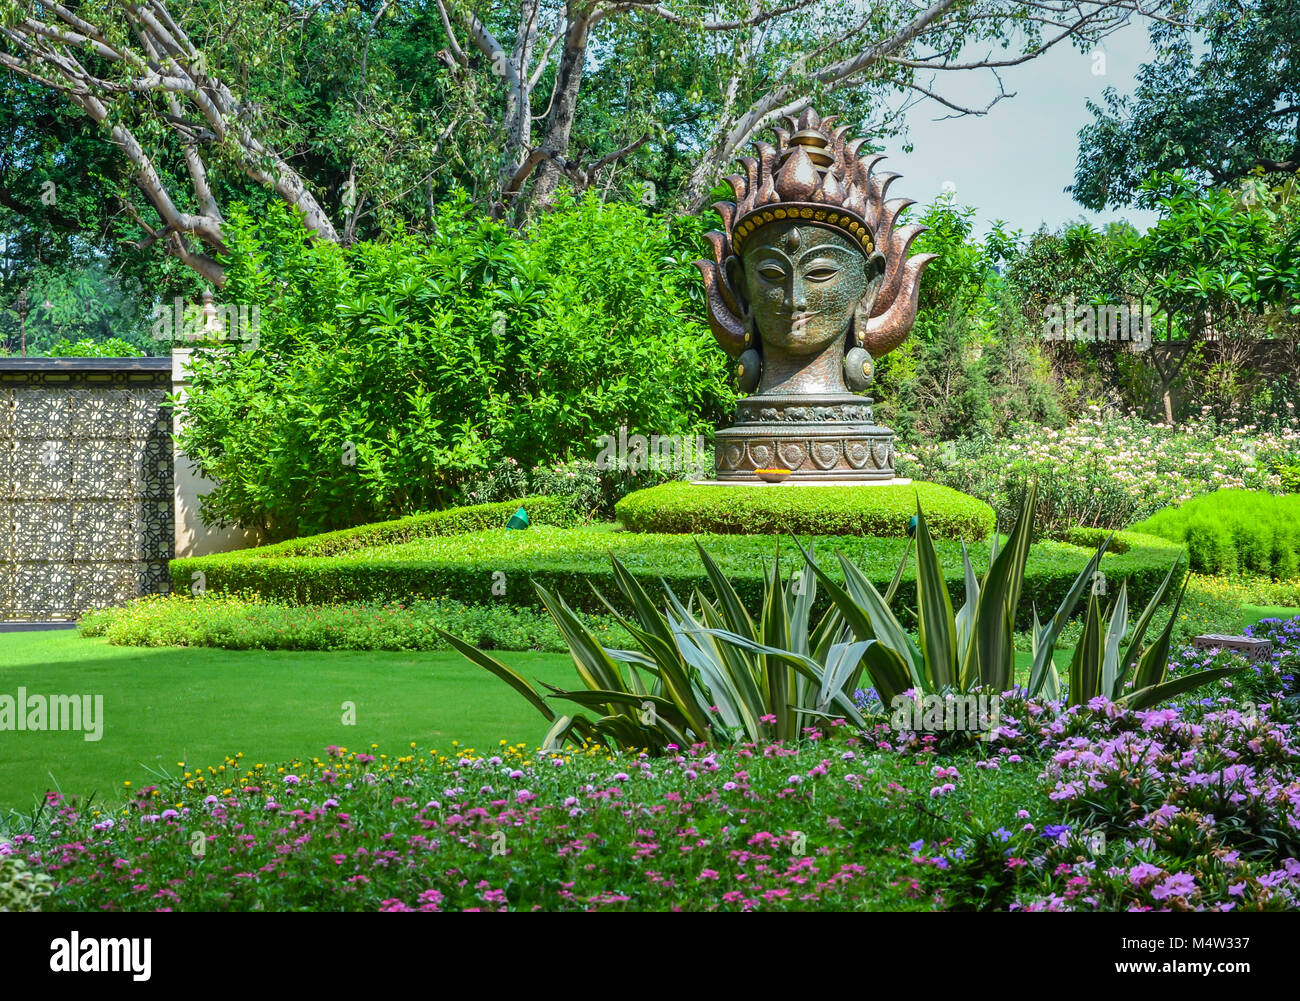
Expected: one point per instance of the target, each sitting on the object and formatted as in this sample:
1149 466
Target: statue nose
799 296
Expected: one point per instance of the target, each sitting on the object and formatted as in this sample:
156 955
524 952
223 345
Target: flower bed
1107 472
1097 808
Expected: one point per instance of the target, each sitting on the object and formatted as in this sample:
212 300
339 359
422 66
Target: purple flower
1179 885
1143 871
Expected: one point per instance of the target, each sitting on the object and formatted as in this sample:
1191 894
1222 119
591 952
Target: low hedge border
880 511
452 521
473 567
1120 542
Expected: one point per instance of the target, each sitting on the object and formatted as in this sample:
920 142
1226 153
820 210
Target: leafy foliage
719 674
1234 531
389 376
716 675
1219 100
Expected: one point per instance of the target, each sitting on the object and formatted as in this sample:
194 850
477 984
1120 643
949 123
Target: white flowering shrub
1108 472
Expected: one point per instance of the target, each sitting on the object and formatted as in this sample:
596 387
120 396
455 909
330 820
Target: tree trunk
568 79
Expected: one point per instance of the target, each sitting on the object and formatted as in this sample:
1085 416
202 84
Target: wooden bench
1254 649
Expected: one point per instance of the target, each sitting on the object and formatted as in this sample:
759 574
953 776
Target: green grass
1253 613
198 705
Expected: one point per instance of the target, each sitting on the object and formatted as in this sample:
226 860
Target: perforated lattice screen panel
86 501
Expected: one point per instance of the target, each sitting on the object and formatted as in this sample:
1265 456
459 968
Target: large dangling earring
749 366
859 369
859 366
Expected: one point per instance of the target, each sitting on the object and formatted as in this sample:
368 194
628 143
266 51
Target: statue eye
822 274
771 273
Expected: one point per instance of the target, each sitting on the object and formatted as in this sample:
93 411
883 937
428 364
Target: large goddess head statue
811 282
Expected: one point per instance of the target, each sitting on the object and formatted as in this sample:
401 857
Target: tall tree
207 98
1220 101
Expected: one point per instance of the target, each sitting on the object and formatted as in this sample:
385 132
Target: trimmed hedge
235 622
1235 531
472 566
451 521
881 511
1120 542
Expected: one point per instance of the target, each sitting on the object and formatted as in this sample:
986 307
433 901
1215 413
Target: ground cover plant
1049 815
1046 814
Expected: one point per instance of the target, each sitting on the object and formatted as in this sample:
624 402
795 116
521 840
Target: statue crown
811 174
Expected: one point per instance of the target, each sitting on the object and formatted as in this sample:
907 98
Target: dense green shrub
591 489
882 511
467 567
1233 531
387 376
1120 541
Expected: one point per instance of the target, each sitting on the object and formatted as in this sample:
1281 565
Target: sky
1014 162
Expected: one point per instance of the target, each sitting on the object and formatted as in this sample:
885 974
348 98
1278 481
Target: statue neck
818 374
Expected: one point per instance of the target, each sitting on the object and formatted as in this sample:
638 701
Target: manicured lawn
1253 613
198 705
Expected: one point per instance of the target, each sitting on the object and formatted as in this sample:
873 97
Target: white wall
193 538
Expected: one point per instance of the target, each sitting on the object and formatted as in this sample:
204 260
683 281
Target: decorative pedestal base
816 437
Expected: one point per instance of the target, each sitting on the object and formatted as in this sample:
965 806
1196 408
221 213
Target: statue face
803 283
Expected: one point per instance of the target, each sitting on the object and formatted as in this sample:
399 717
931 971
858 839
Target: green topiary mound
1234 531
881 511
